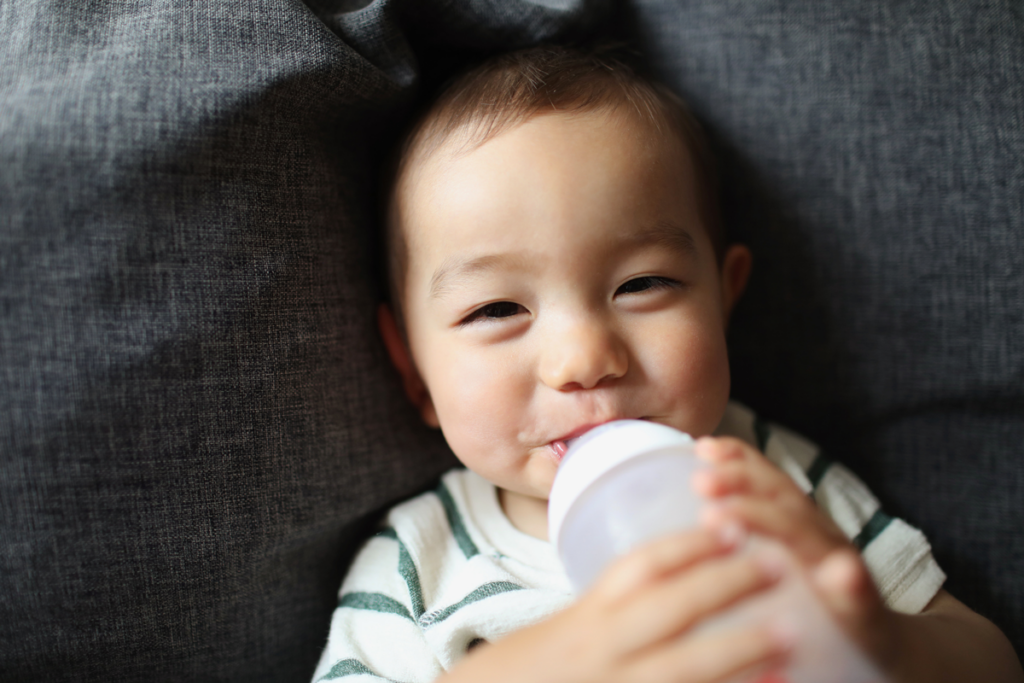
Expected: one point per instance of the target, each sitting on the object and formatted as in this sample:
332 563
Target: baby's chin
539 474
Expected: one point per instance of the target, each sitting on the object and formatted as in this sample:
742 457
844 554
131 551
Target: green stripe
412 579
349 667
374 602
876 525
484 591
763 432
407 568
818 469
469 548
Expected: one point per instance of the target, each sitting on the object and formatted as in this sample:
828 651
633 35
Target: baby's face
559 276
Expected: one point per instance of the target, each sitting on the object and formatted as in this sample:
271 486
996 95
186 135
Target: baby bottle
627 482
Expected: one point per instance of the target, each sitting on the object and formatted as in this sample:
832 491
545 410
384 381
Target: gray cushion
875 163
195 413
195 416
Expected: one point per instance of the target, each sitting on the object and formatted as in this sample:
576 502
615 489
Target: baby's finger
716 657
798 525
738 468
845 587
682 601
756 477
664 556
720 449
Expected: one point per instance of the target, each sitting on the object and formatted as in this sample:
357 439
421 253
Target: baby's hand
747 489
634 624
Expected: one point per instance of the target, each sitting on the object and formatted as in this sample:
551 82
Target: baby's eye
642 284
499 309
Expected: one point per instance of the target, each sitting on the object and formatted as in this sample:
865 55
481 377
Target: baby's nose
582 356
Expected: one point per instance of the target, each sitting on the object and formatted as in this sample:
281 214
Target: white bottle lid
587 460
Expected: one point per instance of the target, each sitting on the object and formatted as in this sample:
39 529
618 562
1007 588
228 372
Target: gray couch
196 419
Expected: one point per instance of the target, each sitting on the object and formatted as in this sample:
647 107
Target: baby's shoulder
441 516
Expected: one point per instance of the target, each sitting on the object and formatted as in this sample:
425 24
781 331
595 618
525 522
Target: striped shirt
448 569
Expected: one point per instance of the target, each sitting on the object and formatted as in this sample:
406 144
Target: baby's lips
561 447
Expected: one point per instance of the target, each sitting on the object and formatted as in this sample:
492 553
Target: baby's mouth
561 447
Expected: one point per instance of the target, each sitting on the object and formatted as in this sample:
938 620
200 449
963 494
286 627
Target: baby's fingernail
702 482
731 534
712 515
708 448
772 567
784 635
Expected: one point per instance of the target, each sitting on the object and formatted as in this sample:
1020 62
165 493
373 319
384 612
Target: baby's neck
528 514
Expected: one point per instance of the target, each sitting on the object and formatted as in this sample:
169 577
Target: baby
557 261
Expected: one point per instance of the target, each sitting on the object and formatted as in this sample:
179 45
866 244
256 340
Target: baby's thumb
845 587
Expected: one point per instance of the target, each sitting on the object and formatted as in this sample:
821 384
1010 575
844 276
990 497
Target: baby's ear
736 266
413 384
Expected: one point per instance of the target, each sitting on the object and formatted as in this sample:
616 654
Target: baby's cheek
696 378
475 403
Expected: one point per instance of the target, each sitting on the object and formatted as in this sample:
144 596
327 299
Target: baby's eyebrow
453 270
666 234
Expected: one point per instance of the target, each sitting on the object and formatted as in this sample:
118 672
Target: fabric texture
196 416
449 569
873 157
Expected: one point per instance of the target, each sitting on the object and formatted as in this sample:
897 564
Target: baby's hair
512 88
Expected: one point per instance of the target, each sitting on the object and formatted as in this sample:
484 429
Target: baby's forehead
446 140
433 151
415 194
623 145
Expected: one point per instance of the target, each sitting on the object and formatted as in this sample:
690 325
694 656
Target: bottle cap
590 457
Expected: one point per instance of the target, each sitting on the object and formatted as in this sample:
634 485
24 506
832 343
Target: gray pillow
875 162
195 414
196 420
